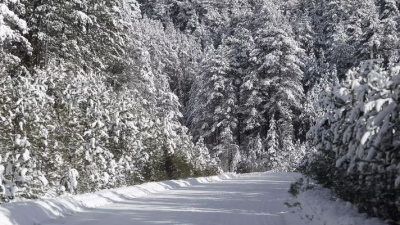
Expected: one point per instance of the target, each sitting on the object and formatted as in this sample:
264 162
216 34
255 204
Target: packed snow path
247 199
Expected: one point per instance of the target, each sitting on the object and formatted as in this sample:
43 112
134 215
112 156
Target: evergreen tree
272 144
275 81
357 139
213 109
13 46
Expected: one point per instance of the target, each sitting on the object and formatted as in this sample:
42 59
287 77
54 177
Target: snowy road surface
245 200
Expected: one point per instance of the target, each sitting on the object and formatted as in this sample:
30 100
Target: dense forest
106 93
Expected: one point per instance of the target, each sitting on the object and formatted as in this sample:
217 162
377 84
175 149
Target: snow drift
29 212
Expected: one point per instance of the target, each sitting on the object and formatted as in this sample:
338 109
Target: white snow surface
230 199
319 206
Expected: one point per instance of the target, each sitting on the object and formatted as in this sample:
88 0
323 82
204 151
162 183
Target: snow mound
31 212
319 206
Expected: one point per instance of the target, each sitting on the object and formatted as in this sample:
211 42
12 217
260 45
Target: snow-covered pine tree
276 70
361 28
272 145
213 110
378 36
237 47
202 155
13 29
22 103
108 34
25 125
357 139
13 46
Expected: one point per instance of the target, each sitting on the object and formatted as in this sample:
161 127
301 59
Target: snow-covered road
245 200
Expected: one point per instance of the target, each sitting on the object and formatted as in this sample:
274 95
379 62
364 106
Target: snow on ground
35 212
257 198
319 206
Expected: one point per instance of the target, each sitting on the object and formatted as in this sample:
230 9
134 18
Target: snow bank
32 212
319 206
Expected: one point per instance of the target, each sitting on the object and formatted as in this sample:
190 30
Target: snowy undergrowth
35 212
319 206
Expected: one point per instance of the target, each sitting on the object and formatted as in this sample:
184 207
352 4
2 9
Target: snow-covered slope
230 199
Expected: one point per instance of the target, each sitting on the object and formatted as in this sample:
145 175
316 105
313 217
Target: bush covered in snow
358 140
